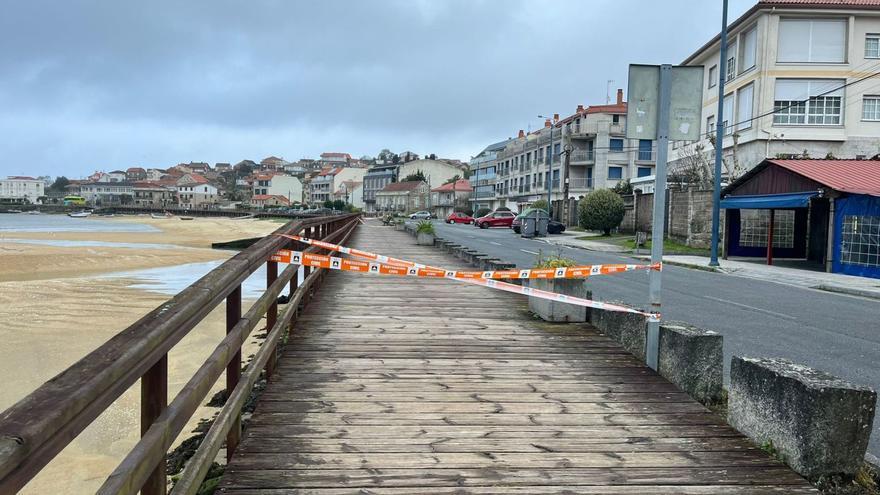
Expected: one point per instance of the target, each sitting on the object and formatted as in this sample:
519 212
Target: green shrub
601 210
482 212
554 261
425 227
541 203
464 209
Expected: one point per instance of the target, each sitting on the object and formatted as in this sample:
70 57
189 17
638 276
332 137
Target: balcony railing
580 183
646 155
582 156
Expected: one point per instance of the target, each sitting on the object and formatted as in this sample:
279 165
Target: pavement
761 311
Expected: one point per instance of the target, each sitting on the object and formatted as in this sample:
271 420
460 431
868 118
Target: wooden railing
37 428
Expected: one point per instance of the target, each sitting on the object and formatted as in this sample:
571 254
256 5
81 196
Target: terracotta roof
330 171
199 179
850 176
264 197
332 154
20 177
459 185
135 169
402 186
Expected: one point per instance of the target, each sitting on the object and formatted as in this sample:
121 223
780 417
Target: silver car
420 215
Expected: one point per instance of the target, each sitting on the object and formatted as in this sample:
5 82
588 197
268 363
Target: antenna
608 92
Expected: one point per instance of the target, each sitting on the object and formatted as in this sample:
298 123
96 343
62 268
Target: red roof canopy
850 176
459 185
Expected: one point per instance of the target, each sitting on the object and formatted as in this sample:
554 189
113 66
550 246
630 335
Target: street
831 332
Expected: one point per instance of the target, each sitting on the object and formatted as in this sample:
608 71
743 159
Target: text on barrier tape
385 265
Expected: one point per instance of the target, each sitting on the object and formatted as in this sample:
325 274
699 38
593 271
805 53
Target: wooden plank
383 390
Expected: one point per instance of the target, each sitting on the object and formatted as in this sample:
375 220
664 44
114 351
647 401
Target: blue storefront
823 213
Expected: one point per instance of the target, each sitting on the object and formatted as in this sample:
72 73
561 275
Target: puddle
65 243
63 223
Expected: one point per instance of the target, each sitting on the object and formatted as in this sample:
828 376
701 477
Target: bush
554 261
601 210
425 227
463 209
482 212
541 203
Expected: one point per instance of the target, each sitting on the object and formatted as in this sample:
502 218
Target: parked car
420 215
495 219
459 217
553 227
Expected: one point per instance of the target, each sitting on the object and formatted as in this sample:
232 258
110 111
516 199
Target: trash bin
543 223
529 226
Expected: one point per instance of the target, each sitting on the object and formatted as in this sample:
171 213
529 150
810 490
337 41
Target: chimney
580 109
521 134
555 118
547 123
619 96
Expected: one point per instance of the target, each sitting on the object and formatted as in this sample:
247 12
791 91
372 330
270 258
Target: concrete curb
846 290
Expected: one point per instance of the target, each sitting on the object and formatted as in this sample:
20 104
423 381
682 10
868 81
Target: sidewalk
831 282
570 239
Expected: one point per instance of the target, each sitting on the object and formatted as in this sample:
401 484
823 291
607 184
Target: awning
768 201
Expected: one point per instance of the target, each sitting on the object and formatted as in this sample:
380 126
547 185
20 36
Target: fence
37 428
688 215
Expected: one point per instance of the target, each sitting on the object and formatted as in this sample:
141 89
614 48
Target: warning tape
345 264
386 265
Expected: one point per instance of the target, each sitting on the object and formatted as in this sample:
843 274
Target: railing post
233 369
154 399
271 315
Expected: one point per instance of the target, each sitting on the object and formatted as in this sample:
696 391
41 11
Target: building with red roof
403 197
452 196
21 188
269 200
824 212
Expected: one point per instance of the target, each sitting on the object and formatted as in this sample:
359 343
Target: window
615 144
808 101
645 147
818 41
755 223
644 171
713 76
872 46
615 119
744 107
615 173
726 124
731 62
710 124
860 240
749 49
871 108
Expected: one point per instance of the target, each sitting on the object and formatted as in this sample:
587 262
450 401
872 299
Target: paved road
836 333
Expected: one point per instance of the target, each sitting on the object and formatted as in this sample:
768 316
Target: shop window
754 225
860 240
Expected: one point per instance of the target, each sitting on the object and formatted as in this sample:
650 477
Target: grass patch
670 246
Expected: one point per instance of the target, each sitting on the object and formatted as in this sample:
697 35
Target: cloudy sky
87 85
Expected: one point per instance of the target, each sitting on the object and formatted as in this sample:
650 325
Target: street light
549 179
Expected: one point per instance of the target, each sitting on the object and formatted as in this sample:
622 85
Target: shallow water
173 279
64 243
63 223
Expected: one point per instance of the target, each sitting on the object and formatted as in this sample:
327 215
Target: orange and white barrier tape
385 265
344 264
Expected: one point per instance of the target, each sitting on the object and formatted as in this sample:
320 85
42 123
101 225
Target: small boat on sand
187 218
161 216
79 214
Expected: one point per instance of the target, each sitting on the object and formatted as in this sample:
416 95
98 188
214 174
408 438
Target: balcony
582 156
646 155
580 183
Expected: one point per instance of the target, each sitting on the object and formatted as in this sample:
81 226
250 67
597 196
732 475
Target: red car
459 217
496 219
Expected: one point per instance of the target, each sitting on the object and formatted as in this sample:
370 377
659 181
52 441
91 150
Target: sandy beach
56 307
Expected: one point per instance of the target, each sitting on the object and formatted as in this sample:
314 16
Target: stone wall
688 215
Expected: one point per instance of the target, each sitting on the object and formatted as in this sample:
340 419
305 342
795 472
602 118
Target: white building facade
278 185
18 187
796 85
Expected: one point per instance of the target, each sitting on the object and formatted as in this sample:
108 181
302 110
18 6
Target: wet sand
54 312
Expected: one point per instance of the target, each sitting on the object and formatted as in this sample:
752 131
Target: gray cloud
106 84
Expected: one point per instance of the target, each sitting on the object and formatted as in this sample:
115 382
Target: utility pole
567 148
719 140
652 347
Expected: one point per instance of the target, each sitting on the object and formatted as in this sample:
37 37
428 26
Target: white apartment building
322 186
107 193
194 191
278 185
600 156
795 83
19 187
484 175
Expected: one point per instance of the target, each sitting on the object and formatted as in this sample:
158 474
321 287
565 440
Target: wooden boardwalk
402 385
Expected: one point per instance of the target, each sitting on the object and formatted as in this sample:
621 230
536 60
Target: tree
328 204
541 204
602 210
60 183
623 187
339 205
696 165
419 175
385 154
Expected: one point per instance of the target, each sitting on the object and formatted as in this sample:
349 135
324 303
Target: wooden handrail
35 429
